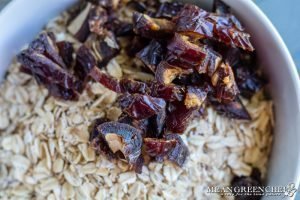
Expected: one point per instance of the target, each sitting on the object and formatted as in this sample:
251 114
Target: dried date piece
198 23
43 61
66 51
248 82
151 55
183 53
143 106
122 138
224 83
180 152
56 90
79 27
137 44
96 19
169 92
85 62
104 48
166 73
234 109
159 147
178 117
169 10
149 27
195 96
122 86
210 63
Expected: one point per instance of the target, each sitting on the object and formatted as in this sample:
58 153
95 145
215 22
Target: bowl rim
291 69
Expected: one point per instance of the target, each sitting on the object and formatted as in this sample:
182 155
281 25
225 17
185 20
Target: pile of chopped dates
198 59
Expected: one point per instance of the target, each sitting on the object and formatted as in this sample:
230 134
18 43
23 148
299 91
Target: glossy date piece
45 45
143 106
169 92
234 109
151 55
224 84
198 23
66 51
105 48
143 124
97 19
210 63
56 90
43 61
248 81
122 138
168 10
148 27
122 86
159 147
79 26
195 96
180 152
120 28
183 53
97 142
136 45
166 73
85 62
178 117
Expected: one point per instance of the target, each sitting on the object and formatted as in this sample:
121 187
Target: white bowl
21 20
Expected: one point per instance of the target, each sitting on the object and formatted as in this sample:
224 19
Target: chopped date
96 19
66 51
136 45
234 109
248 82
166 73
151 55
195 96
105 48
143 106
56 90
85 62
122 86
159 147
143 124
169 10
210 63
178 117
122 138
183 53
198 23
224 83
169 92
42 59
79 27
157 124
180 152
149 27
